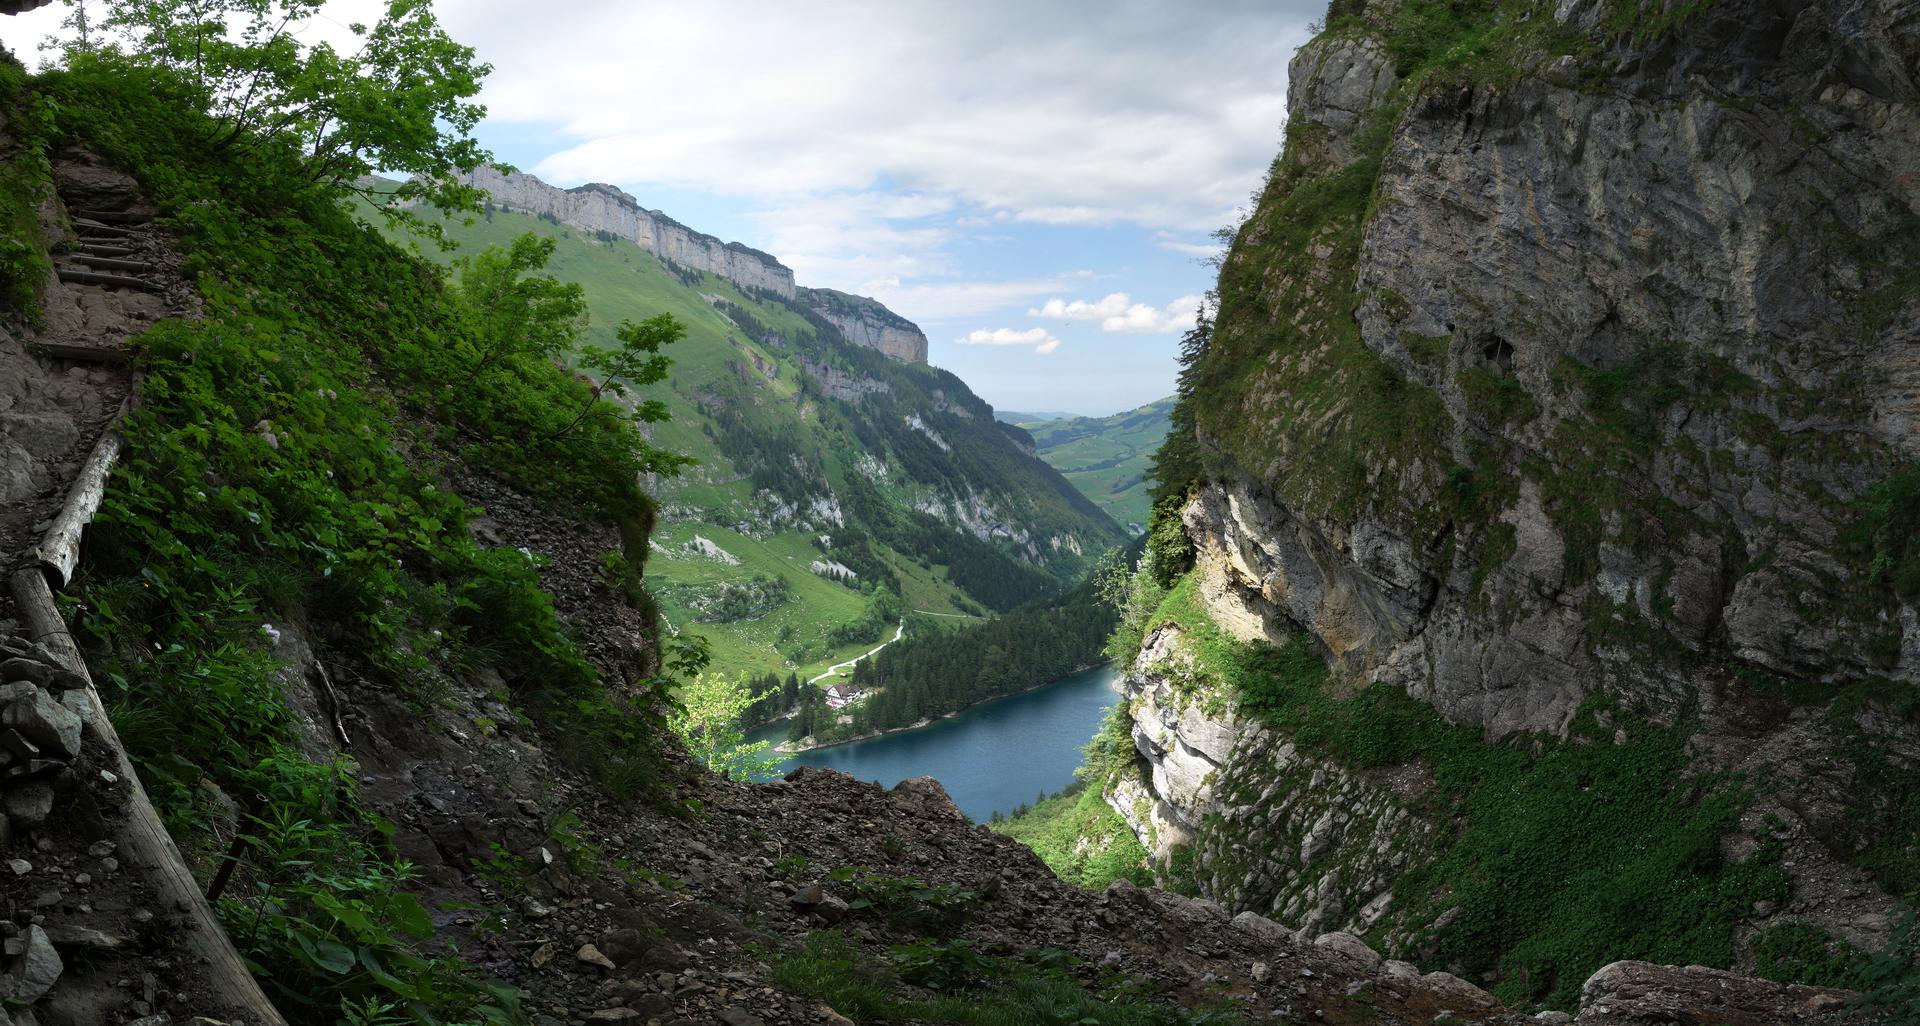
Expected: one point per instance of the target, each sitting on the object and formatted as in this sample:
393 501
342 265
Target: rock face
602 208
1596 288
1271 828
867 323
1593 377
598 207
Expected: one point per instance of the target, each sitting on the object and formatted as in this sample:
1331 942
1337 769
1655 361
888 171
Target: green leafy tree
398 102
708 723
513 312
636 361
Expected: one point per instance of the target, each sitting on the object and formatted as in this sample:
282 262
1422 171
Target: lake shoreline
789 748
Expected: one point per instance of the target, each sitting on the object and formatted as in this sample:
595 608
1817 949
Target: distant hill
836 471
1105 457
1021 417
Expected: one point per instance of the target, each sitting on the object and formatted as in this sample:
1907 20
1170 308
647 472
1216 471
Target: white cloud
1118 313
953 299
1081 310
1041 341
1084 115
1202 250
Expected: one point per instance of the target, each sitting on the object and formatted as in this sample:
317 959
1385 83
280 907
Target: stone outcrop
866 323
1607 302
1271 828
839 384
1584 396
598 207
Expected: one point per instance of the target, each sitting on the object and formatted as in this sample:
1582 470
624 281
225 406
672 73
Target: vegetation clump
1571 854
291 468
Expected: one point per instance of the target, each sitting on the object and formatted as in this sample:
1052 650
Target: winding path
836 668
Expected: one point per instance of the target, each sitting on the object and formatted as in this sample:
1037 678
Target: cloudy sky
1035 183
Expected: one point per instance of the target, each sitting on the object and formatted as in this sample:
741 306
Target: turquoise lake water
990 758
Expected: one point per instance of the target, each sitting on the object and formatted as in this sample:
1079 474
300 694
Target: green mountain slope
1106 457
836 488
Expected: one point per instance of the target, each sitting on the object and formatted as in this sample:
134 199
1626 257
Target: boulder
1457 991
926 798
44 722
1349 945
1641 994
28 803
1265 930
35 966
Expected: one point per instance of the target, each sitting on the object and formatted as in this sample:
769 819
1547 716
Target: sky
1035 183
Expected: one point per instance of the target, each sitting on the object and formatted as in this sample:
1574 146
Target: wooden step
112 216
75 276
110 264
103 249
97 228
84 354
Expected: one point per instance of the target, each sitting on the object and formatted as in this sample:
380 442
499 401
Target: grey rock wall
603 208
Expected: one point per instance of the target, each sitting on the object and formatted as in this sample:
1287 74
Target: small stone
102 849
740 1017
814 900
69 935
109 777
20 867
82 879
615 1015
1261 971
651 1006
1552 1018
78 703
13 742
29 803
66 680
592 956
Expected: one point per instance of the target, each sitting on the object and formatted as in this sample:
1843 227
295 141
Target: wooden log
112 264
98 228
143 845
59 551
112 216
104 249
85 354
75 276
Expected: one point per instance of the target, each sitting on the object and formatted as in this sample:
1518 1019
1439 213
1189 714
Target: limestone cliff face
867 323
598 207
602 208
1607 362
1270 827
1574 374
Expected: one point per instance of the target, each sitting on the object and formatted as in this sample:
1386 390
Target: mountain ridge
815 449
600 207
